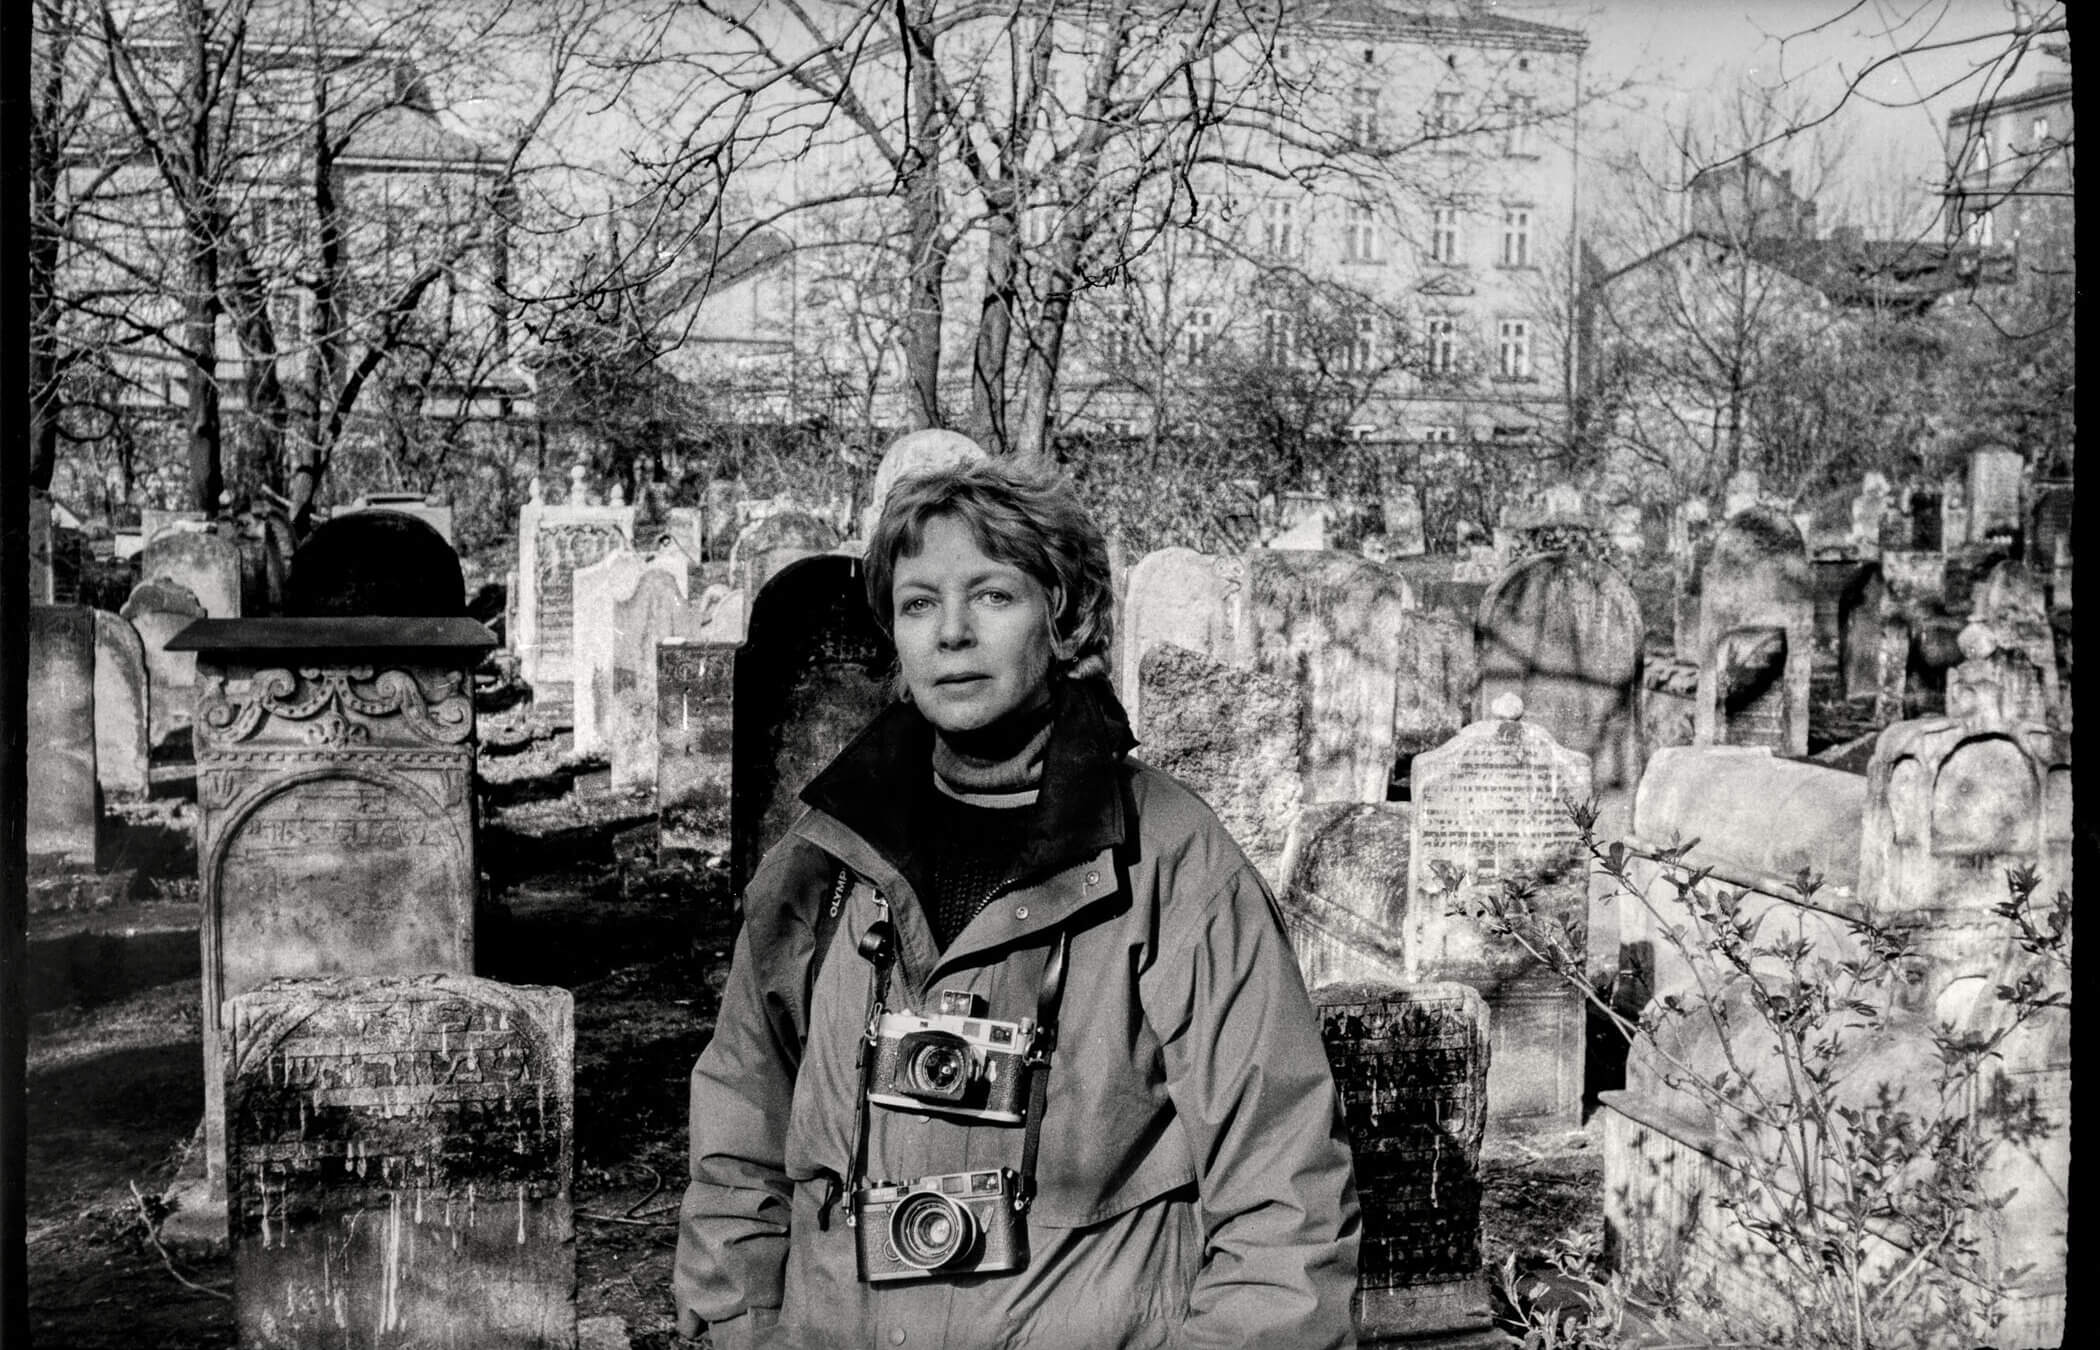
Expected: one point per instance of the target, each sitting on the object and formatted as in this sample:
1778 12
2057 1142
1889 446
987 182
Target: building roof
1399 20
1899 273
2051 91
401 135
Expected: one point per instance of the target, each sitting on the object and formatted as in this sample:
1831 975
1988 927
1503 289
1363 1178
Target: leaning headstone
205 565
1563 633
910 455
600 590
812 671
62 809
656 611
694 726
774 541
1756 635
122 707
400 1161
1331 623
1403 523
1234 735
553 541
335 798
158 610
1995 473
1413 1068
1344 892
1492 808
1176 595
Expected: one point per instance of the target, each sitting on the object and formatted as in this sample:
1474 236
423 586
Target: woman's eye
918 604
996 597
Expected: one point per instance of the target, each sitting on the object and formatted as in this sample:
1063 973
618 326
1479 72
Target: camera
954 1223
956 1062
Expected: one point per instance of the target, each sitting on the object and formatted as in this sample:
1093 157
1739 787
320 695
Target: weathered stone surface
1563 633
63 813
1863 616
1439 675
1995 475
205 565
1412 1067
695 683
376 562
1331 623
654 612
1758 818
1403 523
2010 602
400 1159
1756 635
910 455
813 670
1745 492
1233 735
1193 600
123 702
158 610
769 544
1304 521
553 541
1344 892
335 817
601 589
1491 807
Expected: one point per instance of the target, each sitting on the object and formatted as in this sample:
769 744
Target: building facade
2010 171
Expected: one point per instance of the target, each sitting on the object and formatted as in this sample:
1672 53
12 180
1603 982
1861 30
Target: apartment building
2009 170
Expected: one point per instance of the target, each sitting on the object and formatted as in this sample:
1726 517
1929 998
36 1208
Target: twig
655 1177
632 1223
153 1236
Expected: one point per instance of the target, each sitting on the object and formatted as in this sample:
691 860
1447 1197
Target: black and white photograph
1038 675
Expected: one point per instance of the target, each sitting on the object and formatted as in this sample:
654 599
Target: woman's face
973 633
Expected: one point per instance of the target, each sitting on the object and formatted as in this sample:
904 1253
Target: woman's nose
955 626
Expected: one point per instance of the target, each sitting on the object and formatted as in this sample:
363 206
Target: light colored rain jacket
1195 1185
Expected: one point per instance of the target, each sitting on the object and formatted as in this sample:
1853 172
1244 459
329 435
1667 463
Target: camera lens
929 1230
936 1066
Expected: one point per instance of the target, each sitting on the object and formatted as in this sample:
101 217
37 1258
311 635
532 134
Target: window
1443 234
1279 227
1360 234
1513 349
1517 139
1360 352
1440 433
1443 344
1362 118
1276 336
1197 332
1516 237
1120 347
2041 131
1443 113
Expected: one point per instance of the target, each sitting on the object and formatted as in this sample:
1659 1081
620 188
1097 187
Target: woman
1092 1109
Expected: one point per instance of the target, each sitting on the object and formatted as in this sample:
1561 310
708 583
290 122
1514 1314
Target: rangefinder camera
954 1223
956 1062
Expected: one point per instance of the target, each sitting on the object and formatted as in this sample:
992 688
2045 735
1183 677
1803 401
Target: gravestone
158 610
335 800
437 515
1864 643
655 612
1756 636
812 672
724 615
1439 675
1403 523
1869 509
1563 633
42 582
1232 734
694 726
2009 601
1481 565
1413 1070
62 809
718 503
400 1163
909 456
1954 513
1561 503
1625 530
1331 624
378 562
1343 892
205 565
1193 600
683 534
553 541
1690 524
1304 522
600 589
1491 807
772 542
1995 475
122 708
1744 492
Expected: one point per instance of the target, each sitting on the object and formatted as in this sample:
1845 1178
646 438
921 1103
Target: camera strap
1046 1001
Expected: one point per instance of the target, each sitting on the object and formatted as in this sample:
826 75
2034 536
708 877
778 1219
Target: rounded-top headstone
383 563
910 455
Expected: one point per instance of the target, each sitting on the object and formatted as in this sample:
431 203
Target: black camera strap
1046 1001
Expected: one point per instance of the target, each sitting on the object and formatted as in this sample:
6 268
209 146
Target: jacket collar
874 785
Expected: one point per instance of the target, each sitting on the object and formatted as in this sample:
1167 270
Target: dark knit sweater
976 852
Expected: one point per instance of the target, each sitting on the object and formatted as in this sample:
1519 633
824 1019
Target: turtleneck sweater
980 812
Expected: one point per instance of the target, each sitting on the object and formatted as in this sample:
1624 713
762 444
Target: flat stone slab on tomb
1411 1067
1490 807
400 1162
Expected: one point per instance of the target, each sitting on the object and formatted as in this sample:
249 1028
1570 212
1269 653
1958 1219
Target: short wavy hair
1025 515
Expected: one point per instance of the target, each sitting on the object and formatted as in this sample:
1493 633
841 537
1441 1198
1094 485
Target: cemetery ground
573 895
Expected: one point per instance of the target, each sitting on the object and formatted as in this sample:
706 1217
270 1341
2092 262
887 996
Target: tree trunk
995 319
200 319
926 255
267 413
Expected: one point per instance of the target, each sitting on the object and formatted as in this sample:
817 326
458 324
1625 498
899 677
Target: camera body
954 1062
950 1223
